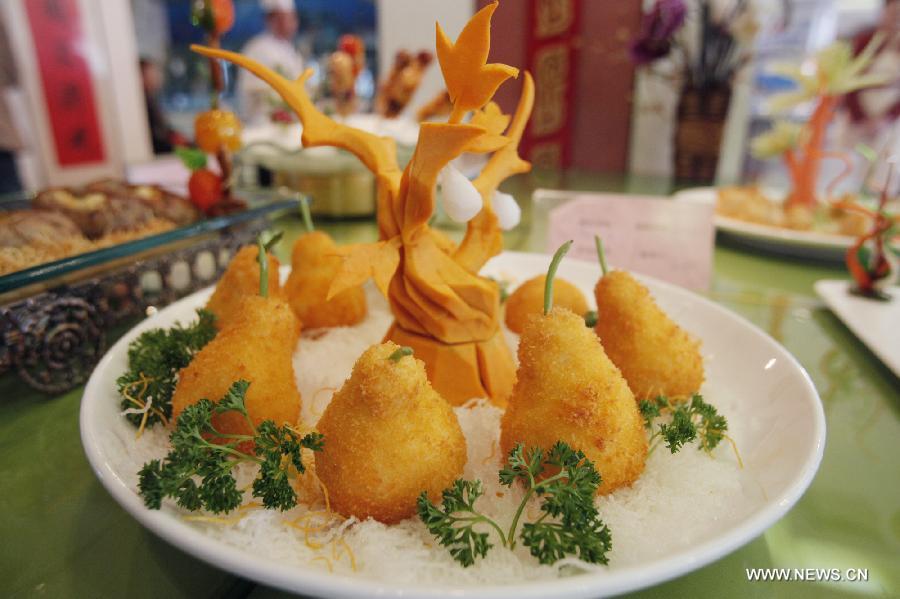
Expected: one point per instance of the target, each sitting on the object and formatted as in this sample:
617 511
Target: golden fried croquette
655 355
258 346
528 299
388 437
314 265
568 390
240 279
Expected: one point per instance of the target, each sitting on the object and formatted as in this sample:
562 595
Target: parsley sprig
197 472
690 421
569 523
154 359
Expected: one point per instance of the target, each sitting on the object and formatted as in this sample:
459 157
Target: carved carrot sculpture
835 72
872 270
443 309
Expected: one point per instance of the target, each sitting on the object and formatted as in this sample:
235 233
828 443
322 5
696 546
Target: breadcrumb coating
528 299
568 390
388 437
655 355
239 280
258 346
314 265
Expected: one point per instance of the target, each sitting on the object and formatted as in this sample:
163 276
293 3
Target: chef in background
274 48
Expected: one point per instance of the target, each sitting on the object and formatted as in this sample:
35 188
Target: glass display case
56 318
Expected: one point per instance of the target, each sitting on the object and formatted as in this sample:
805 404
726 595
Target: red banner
59 44
552 57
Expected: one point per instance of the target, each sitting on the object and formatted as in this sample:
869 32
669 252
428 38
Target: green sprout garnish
262 256
551 273
601 254
400 353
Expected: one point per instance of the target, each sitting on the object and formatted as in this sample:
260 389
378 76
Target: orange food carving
442 307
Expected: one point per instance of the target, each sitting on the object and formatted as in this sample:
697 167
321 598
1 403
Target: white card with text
652 235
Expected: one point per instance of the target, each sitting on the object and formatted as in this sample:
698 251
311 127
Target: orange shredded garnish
493 454
325 559
736 453
346 549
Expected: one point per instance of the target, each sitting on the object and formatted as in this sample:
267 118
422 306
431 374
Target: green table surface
63 536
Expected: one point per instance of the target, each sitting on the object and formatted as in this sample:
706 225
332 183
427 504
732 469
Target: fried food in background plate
241 279
528 299
314 264
388 437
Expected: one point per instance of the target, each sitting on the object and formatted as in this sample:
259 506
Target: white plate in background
776 240
876 323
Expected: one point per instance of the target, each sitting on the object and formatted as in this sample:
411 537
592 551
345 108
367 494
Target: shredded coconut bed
680 499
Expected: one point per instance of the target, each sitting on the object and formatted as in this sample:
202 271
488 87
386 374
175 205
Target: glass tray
55 318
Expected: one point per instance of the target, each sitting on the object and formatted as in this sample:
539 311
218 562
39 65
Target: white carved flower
460 199
507 210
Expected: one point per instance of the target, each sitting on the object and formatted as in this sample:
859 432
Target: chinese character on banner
552 38
59 43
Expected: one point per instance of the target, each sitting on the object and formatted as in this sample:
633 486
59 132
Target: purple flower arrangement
722 44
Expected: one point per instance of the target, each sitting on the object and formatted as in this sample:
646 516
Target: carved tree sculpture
443 309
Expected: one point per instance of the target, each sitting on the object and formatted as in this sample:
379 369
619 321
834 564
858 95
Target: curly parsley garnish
690 421
568 525
154 359
197 472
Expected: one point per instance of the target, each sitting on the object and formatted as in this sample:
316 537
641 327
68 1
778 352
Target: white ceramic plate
775 240
875 323
777 419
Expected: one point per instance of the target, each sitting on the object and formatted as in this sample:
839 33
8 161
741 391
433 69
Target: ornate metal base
53 340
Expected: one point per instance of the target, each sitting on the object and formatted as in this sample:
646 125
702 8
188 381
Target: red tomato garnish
205 189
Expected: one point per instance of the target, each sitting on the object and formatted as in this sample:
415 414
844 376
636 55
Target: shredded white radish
680 500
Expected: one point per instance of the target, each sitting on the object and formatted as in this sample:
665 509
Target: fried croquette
258 346
388 437
314 265
655 355
240 279
528 299
568 390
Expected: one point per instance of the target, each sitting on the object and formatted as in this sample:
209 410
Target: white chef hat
277 5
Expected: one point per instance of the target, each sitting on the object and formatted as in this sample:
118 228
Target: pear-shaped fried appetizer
390 437
655 355
239 280
528 299
315 263
256 345
568 390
